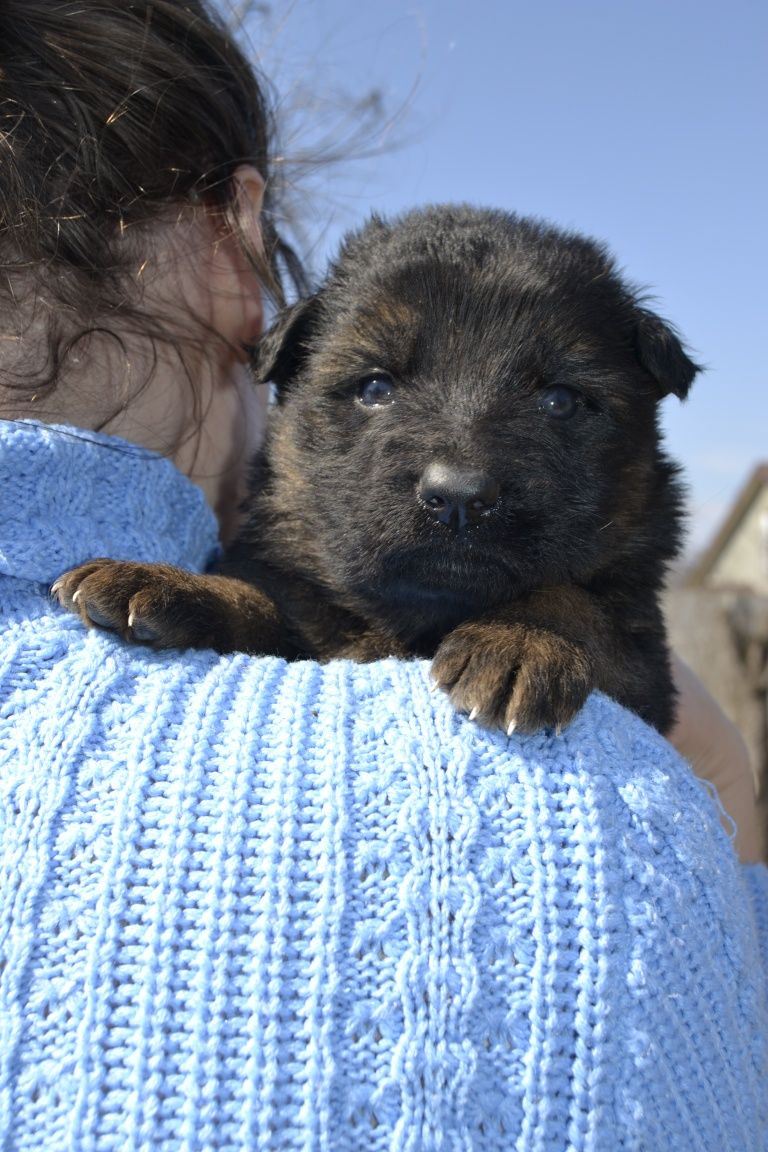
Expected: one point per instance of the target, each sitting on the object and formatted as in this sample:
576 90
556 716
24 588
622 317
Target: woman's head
116 117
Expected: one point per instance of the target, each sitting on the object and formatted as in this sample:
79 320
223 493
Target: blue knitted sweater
250 905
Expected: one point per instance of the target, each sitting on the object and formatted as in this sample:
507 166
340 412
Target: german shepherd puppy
463 463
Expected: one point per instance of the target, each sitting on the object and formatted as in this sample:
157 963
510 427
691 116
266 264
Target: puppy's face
467 412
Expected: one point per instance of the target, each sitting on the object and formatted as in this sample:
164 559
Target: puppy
464 464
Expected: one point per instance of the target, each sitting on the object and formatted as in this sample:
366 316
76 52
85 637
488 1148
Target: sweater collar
67 496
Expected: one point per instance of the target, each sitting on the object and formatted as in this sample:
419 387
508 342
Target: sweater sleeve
247 905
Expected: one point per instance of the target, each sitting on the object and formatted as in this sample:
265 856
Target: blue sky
640 123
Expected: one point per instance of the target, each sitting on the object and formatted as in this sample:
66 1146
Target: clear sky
641 122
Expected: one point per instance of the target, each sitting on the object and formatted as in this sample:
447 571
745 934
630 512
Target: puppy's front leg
167 607
532 664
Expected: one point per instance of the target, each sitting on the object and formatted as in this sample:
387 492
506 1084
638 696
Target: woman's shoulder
608 775
556 908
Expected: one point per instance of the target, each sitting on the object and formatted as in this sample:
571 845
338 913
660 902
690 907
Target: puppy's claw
434 686
511 727
474 713
76 596
142 632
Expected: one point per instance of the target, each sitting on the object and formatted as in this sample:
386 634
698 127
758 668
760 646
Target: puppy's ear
661 353
282 350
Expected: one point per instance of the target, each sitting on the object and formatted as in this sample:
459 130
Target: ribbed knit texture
247 905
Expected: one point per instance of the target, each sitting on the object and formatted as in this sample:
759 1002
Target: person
255 905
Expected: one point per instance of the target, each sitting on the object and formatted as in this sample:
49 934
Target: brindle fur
554 590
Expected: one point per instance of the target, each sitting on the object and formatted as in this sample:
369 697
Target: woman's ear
248 188
237 311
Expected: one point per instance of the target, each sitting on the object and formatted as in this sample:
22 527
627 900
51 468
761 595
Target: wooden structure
737 558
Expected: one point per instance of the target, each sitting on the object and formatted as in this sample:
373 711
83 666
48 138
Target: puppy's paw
153 604
512 676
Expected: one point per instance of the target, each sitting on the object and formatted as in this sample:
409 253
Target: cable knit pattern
247 905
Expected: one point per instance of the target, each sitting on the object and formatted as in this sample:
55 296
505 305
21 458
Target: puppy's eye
376 390
560 402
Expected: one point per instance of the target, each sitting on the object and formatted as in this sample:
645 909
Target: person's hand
714 748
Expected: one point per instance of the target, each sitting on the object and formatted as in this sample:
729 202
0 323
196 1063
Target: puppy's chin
425 593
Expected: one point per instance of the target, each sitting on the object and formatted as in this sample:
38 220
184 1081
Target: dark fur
554 589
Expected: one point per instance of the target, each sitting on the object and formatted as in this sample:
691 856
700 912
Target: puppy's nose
456 496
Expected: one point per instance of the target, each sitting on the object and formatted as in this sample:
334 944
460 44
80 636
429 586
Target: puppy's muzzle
457 497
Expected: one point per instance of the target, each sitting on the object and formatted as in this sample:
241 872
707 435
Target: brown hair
112 112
